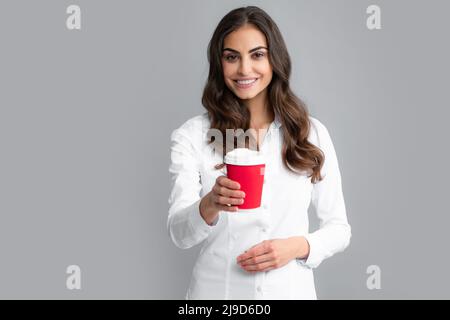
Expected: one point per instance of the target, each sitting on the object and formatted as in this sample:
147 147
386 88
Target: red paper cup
247 167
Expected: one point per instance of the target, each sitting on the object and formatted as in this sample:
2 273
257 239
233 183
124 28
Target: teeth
246 81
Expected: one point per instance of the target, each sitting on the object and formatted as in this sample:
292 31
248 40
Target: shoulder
318 132
192 129
317 126
195 123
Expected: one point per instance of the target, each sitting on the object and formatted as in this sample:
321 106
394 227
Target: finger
224 191
225 201
259 249
256 260
227 208
265 266
221 206
225 182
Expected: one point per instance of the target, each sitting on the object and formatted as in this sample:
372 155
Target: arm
185 224
327 198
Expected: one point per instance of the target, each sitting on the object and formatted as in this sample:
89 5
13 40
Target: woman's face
245 62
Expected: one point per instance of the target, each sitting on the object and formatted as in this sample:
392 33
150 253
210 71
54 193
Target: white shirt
284 213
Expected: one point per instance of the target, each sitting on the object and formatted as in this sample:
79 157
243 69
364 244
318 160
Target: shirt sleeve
185 224
327 198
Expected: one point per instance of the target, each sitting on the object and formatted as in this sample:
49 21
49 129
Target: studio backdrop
90 92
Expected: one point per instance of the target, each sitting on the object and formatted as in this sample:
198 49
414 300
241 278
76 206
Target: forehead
246 37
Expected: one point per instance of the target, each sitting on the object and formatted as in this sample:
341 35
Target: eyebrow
235 51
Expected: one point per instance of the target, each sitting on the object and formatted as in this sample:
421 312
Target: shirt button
264 230
258 288
265 206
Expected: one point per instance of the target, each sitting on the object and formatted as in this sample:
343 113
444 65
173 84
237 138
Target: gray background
86 117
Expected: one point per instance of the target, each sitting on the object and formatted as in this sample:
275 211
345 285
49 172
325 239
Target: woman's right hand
224 196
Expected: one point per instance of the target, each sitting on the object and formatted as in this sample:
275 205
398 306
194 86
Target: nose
245 66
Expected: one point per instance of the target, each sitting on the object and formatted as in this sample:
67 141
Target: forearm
208 214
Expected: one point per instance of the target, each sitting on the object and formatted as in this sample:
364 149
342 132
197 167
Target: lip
245 86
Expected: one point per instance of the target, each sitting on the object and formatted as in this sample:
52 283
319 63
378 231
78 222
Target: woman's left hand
273 254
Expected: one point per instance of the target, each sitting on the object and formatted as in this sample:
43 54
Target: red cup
247 168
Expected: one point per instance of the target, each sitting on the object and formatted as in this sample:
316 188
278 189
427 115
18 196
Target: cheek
267 70
228 70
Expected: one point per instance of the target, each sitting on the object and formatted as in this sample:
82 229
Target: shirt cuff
314 258
198 224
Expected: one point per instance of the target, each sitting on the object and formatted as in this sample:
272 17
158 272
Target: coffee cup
247 167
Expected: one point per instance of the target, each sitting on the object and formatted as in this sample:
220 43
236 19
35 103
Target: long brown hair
226 110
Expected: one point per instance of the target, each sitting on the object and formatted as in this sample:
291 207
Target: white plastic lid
244 157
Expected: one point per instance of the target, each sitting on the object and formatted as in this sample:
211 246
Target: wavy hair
226 110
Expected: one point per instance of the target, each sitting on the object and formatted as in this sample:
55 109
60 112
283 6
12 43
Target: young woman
268 253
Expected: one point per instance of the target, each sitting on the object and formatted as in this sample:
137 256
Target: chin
246 97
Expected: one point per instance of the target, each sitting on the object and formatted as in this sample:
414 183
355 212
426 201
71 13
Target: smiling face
245 62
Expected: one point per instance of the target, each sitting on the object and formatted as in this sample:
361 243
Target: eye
231 57
259 54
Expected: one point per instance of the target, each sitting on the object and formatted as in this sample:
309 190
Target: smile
244 84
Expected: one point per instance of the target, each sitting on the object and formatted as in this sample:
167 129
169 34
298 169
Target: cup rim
254 159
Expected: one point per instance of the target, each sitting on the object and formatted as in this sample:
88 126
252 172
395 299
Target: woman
268 253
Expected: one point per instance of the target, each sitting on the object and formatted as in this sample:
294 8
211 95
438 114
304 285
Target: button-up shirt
283 213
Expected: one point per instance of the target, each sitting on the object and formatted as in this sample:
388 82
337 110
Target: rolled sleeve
186 226
327 198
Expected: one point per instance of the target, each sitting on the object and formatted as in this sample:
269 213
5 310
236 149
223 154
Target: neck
261 115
